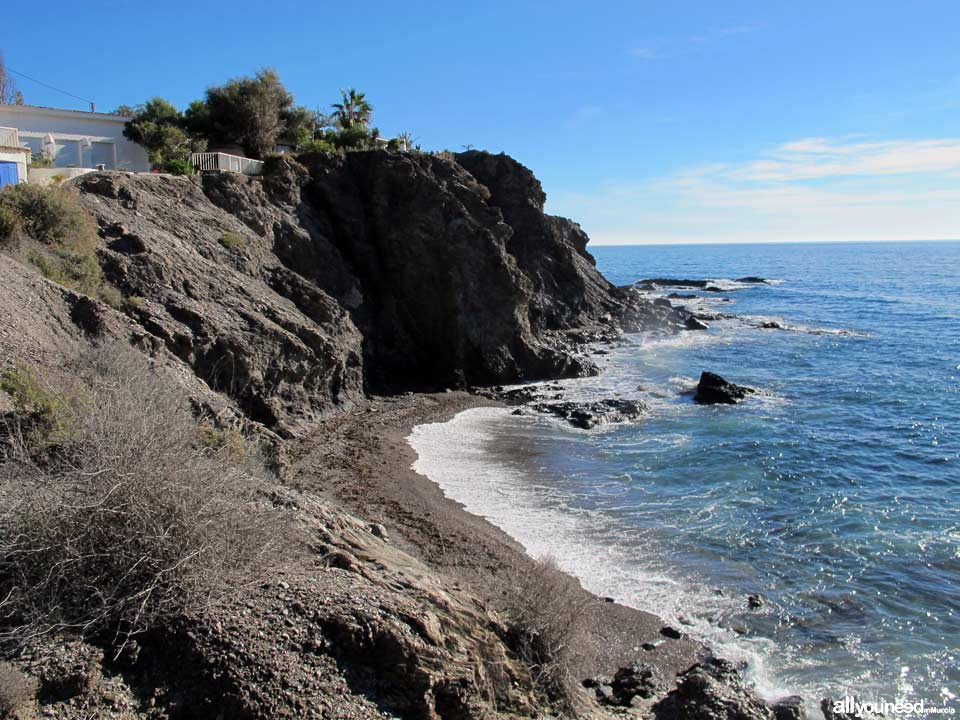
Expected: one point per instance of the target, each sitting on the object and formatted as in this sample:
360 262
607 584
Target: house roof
63 112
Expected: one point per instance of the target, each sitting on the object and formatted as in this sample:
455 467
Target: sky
646 122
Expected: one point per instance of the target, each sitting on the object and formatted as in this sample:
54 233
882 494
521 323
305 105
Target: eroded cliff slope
294 292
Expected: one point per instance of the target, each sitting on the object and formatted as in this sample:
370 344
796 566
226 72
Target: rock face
249 327
295 292
712 691
713 389
789 708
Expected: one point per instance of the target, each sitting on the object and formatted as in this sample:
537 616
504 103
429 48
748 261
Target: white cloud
818 158
807 189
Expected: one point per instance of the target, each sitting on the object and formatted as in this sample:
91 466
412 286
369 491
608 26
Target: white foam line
460 456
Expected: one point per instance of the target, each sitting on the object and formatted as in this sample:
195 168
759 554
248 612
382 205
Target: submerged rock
713 389
590 414
752 279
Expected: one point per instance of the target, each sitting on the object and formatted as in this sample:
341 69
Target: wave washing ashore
831 497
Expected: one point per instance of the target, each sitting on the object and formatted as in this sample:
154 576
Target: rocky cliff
294 292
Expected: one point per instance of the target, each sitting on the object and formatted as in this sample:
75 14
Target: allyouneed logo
870 708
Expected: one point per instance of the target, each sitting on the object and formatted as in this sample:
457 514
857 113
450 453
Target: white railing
9 137
223 161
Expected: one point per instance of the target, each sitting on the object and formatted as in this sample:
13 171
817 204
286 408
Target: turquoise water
834 495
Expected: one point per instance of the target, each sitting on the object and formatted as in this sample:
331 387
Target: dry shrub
544 609
56 235
17 691
52 216
126 521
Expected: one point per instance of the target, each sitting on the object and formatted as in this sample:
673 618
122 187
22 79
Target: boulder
634 681
713 389
789 708
712 690
693 323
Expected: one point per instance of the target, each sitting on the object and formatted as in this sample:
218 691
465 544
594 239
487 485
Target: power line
51 87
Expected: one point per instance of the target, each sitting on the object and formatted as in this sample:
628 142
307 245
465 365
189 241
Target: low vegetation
49 229
233 241
17 691
544 610
43 409
121 518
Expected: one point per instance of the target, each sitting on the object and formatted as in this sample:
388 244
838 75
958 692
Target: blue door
8 174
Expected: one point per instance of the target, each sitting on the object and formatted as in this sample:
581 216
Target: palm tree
354 110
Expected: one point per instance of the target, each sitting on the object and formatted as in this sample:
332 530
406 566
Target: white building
74 138
13 158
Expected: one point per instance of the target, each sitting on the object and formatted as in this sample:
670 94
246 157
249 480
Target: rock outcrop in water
588 415
713 389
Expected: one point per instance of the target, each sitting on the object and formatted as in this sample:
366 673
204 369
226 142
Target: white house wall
70 128
18 157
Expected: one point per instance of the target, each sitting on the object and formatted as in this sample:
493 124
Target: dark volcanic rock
693 323
789 708
635 681
277 344
651 283
376 271
670 632
713 389
588 415
752 279
682 296
712 691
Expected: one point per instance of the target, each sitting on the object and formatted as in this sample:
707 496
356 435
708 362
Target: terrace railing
217 161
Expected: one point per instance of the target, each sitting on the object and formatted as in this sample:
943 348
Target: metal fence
223 161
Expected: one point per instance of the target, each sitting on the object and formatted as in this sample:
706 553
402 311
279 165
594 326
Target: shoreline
597 564
362 461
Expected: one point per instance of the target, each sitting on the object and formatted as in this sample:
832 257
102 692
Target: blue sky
645 121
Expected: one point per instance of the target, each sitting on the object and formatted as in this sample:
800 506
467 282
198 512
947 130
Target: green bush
39 160
233 241
318 146
74 270
44 407
179 166
9 222
227 440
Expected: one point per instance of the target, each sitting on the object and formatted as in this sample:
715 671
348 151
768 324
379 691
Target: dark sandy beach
361 460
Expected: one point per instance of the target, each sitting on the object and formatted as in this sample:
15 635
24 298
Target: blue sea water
835 495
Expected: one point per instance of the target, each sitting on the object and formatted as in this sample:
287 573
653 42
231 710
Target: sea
833 494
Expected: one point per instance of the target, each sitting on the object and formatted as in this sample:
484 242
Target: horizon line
771 242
